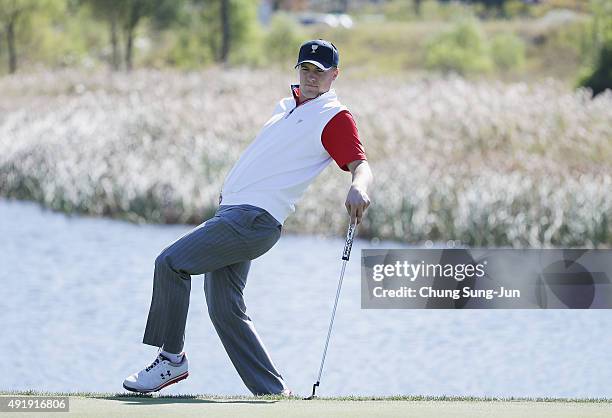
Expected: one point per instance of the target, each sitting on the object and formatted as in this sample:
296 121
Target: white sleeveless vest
278 166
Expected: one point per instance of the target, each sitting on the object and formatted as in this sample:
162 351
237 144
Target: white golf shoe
161 373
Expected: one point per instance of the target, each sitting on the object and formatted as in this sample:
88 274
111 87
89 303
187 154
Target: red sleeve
341 140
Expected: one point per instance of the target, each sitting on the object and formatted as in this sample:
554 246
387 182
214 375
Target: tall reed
484 163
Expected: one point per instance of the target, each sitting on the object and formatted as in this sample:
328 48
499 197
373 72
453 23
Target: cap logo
314 48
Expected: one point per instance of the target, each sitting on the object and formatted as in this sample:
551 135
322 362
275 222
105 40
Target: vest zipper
290 112
306 102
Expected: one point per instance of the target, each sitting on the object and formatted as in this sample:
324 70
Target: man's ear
336 72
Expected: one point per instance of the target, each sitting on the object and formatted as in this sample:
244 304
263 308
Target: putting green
104 406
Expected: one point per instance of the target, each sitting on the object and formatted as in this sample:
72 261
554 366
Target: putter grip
349 242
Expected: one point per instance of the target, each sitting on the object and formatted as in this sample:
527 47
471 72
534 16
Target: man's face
315 81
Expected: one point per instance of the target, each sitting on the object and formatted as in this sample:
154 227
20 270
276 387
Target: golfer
304 133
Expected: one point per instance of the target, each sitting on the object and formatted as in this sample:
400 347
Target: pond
76 292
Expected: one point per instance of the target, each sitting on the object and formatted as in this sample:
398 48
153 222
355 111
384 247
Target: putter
345 257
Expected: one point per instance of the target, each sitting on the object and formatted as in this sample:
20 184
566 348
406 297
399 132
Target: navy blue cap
321 53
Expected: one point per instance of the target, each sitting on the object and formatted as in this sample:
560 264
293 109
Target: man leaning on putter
305 132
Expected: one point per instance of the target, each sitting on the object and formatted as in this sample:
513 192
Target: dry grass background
483 162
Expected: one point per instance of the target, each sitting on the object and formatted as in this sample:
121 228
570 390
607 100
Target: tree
600 78
125 15
417 7
227 24
12 14
111 11
497 5
162 13
225 30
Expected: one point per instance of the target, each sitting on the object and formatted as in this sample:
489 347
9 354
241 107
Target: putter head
311 397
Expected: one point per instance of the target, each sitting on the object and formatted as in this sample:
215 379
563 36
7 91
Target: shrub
395 10
517 8
434 10
598 75
463 50
283 39
600 78
508 51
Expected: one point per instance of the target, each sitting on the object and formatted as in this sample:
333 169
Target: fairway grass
98 405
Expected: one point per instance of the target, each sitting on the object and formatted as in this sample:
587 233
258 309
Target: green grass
100 405
409 398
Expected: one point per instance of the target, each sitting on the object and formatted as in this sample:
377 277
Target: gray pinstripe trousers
222 247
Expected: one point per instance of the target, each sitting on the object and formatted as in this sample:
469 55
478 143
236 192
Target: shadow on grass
144 399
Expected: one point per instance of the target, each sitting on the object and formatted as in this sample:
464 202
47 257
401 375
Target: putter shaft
345 257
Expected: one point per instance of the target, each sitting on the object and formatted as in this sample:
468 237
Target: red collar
295 89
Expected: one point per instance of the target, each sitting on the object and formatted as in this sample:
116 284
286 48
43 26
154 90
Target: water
76 292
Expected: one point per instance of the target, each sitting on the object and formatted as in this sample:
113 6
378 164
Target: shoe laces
156 361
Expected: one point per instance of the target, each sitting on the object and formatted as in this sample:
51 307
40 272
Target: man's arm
357 200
